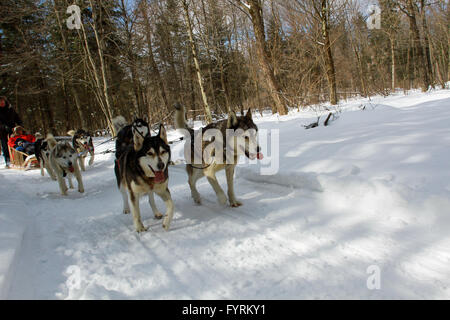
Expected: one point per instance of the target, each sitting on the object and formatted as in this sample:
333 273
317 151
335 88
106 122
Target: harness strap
206 167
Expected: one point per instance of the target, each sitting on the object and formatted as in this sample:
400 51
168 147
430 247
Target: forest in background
140 57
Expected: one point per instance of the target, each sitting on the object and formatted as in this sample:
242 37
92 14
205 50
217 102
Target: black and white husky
63 162
129 134
141 168
82 143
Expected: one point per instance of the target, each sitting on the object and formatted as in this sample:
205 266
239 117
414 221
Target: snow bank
299 180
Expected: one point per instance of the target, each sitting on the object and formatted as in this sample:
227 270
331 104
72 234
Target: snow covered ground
370 192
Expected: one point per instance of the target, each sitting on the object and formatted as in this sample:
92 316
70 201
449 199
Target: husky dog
129 135
143 169
82 143
63 162
246 143
42 152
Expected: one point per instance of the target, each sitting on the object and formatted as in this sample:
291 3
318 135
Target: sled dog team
142 160
63 159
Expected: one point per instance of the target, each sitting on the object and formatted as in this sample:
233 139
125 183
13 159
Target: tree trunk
421 59
196 63
101 83
45 104
256 14
151 57
427 43
360 68
67 66
132 60
329 62
224 87
393 62
409 64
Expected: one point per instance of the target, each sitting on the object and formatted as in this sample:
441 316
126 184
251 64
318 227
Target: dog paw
158 216
197 200
235 204
81 190
140 228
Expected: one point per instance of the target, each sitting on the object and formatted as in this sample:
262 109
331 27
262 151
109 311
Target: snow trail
373 189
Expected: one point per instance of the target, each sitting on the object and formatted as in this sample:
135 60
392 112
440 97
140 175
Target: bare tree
319 13
255 11
196 62
410 8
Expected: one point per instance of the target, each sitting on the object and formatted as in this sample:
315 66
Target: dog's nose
160 165
70 163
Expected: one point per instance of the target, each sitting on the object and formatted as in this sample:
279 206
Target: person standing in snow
8 120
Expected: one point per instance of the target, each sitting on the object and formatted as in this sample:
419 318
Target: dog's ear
145 118
249 114
163 133
232 120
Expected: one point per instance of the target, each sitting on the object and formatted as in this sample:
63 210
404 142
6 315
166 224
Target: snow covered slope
371 190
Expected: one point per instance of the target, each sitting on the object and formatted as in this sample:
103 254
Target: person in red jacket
22 141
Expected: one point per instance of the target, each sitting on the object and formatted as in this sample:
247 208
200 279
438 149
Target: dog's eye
163 152
151 154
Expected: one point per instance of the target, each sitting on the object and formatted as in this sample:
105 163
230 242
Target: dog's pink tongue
159 177
71 169
260 156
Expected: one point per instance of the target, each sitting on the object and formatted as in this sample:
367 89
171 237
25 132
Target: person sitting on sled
22 141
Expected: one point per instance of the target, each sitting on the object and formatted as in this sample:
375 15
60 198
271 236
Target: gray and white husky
63 162
142 168
245 142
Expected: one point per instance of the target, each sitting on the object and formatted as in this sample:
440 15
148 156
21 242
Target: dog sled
22 161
